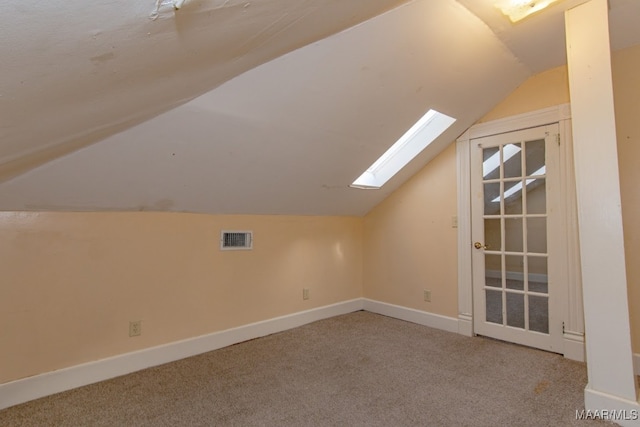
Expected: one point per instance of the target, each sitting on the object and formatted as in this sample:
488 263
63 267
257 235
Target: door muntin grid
515 233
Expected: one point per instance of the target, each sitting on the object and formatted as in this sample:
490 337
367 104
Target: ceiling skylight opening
416 139
517 10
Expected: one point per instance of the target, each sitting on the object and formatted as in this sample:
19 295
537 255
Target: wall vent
236 240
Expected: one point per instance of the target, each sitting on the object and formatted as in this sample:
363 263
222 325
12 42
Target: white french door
514 207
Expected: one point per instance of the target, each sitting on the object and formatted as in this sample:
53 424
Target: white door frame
571 302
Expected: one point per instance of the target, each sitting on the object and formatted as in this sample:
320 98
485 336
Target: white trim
465 325
636 363
573 346
536 118
30 388
465 296
432 320
24 390
574 317
598 401
606 308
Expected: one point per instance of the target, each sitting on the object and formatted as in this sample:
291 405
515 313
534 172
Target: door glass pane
515 272
512 158
491 163
515 310
492 234
493 270
539 314
535 156
512 191
492 198
513 198
538 279
494 306
513 234
536 196
537 235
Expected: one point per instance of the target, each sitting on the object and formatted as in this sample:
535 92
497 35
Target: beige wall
543 90
410 244
626 86
71 282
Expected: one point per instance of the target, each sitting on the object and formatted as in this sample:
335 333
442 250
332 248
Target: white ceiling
284 137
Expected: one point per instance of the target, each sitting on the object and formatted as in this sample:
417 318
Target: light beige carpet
359 369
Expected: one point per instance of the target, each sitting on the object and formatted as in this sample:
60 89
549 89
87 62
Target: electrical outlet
427 295
305 293
135 328
454 222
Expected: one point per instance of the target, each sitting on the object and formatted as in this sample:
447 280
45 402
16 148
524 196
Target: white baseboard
621 411
573 343
465 324
437 321
26 389
636 363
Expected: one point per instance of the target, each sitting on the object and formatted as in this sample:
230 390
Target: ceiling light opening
517 10
416 139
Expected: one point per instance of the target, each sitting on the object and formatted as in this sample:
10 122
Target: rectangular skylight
416 139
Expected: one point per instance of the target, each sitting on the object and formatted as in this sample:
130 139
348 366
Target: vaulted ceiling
252 106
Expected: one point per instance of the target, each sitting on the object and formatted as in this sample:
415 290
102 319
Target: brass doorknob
479 245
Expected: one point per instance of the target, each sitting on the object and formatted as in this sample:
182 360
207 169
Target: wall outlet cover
135 328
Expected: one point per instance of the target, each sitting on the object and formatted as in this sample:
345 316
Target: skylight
416 139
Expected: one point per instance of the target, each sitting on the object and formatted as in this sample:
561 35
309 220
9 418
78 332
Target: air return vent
236 240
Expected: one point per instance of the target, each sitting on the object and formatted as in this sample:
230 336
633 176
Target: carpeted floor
353 370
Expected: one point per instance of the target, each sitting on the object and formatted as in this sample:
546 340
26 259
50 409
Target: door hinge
563 327
558 139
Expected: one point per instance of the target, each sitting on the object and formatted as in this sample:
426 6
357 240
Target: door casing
572 345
